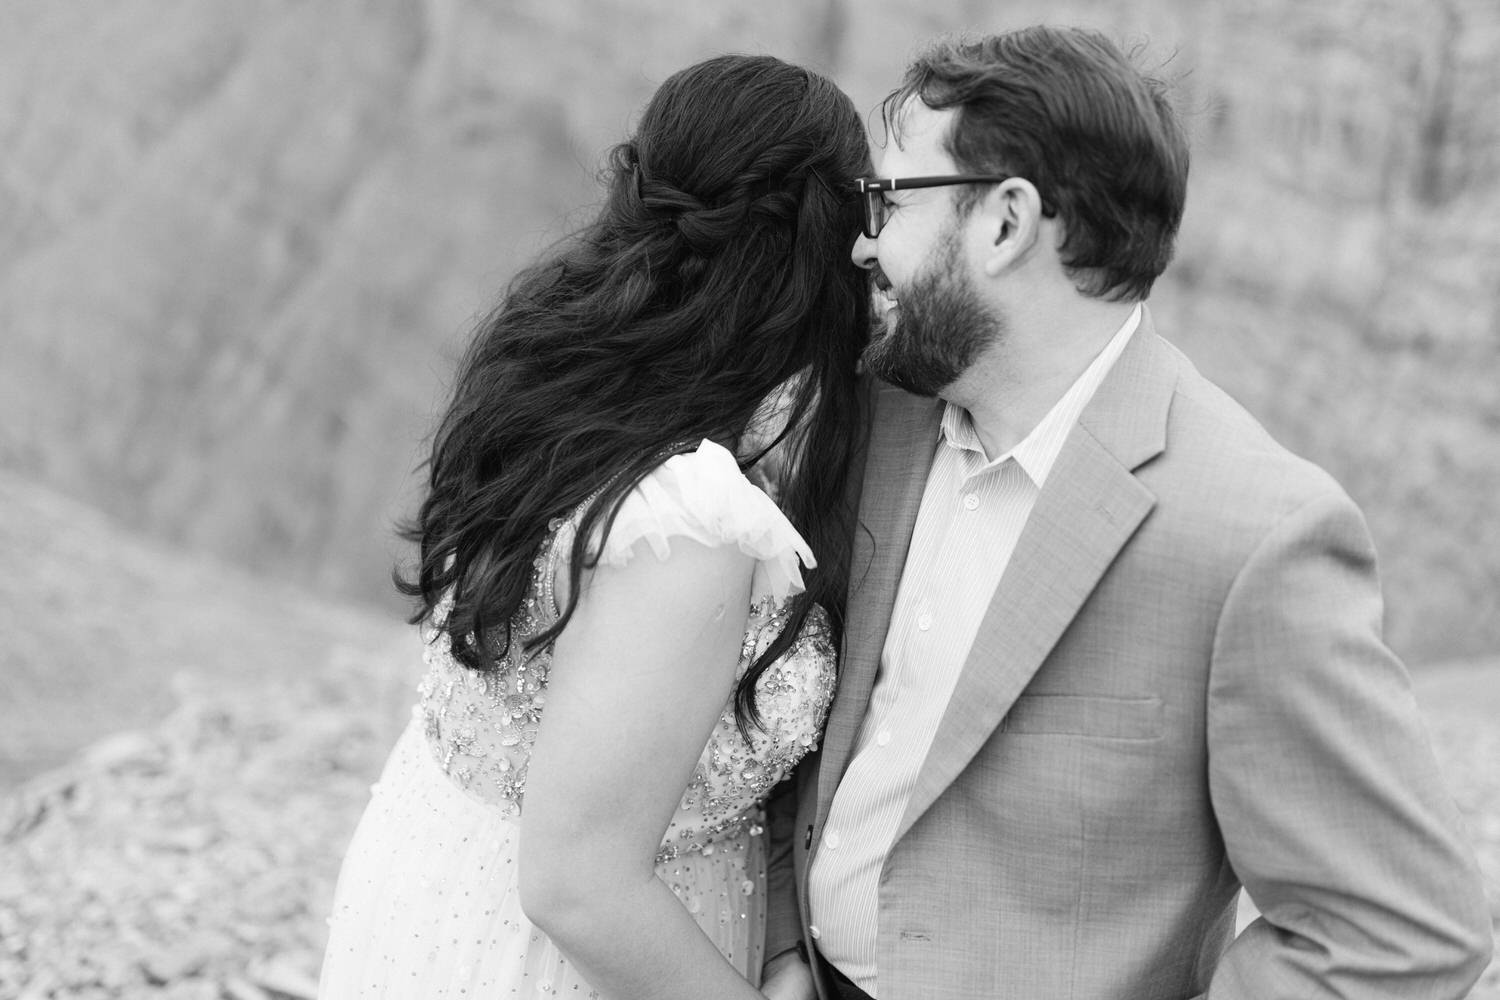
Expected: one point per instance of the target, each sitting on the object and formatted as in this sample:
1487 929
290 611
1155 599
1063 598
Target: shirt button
924 622
883 737
815 932
831 840
971 502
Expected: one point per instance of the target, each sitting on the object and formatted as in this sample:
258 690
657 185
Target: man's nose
863 253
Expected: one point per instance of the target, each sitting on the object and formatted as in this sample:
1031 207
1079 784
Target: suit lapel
1089 507
903 439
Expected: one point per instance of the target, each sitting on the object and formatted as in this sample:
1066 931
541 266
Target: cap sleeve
703 496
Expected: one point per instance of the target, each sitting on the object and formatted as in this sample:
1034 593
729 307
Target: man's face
929 322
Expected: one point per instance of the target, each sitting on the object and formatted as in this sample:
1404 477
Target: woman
623 655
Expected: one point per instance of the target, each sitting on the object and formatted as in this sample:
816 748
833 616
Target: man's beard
941 327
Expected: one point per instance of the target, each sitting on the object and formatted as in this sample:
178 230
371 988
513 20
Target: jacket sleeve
783 922
1325 786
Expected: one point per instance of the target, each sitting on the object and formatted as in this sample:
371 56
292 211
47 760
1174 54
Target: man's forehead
917 134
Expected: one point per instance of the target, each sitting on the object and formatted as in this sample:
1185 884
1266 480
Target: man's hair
1065 109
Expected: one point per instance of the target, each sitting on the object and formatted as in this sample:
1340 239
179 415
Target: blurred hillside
104 632
240 244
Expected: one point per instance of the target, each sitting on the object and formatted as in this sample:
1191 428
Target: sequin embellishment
481 726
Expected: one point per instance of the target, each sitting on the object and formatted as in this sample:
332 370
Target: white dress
427 904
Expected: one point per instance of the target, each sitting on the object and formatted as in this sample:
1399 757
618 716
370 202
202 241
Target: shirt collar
1037 452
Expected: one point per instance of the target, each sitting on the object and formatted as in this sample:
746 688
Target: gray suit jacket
1180 687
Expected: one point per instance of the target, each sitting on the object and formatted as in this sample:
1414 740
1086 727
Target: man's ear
1011 217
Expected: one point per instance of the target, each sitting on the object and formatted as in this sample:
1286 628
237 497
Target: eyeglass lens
874 213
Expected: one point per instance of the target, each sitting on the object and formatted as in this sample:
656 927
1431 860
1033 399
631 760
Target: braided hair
716 274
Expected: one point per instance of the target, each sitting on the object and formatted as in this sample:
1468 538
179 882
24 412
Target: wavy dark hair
1066 109
716 274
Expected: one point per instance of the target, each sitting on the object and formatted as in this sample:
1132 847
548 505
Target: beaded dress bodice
481 726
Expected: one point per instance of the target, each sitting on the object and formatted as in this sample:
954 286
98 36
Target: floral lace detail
734 775
481 726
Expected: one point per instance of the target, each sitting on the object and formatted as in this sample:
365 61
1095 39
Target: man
1112 653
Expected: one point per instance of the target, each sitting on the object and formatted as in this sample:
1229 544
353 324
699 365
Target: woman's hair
717 271
1064 108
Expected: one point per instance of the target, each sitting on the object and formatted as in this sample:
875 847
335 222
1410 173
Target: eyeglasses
873 189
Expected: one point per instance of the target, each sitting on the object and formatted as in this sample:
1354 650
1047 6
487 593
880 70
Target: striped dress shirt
973 510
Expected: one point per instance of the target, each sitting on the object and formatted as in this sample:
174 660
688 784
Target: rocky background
240 245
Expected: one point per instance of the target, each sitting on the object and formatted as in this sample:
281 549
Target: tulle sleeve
703 495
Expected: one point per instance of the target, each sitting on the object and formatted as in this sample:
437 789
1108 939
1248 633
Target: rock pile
195 861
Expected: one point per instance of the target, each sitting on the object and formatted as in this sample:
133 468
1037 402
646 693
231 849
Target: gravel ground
196 860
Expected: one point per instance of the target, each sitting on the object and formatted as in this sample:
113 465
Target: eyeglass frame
872 219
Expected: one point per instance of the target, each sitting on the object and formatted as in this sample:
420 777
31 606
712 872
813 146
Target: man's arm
783 922
786 973
1325 786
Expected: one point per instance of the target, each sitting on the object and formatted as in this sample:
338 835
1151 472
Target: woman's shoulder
702 495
